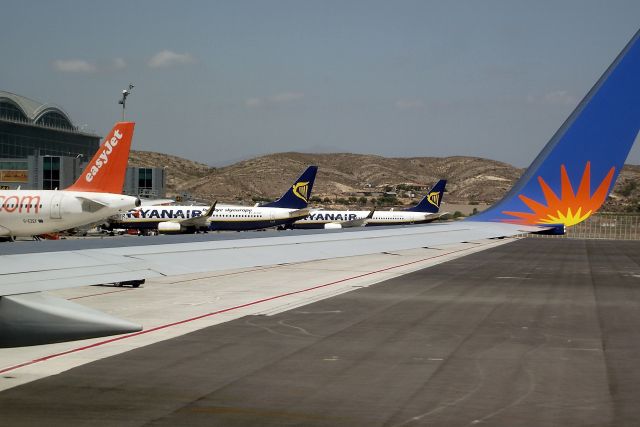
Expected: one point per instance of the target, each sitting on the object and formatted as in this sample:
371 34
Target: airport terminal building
41 148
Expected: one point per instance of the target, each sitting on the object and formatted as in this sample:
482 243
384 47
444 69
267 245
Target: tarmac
537 332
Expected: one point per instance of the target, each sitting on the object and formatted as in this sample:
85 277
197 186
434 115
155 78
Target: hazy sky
218 81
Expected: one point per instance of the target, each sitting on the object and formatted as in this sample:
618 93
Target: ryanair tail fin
297 197
572 176
431 202
106 171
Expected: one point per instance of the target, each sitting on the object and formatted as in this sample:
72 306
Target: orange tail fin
106 171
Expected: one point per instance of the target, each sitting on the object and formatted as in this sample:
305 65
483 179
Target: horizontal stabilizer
90 205
38 318
300 213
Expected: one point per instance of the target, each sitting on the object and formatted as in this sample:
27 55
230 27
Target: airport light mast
123 101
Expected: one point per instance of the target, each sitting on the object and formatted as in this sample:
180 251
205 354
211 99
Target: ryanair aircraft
425 211
291 207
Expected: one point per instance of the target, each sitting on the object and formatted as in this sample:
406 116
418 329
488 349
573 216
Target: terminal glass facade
11 112
145 178
20 140
50 173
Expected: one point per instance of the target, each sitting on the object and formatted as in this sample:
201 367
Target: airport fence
612 226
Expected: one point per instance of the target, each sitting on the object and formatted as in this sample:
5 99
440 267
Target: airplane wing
29 317
197 221
360 222
66 264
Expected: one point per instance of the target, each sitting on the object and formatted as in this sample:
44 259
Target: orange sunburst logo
569 209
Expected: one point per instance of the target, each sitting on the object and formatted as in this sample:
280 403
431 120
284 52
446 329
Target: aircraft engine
169 227
332 226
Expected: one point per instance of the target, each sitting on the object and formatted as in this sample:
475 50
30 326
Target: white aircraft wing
360 222
30 317
197 221
71 267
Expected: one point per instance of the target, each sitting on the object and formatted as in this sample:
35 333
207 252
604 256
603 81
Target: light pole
123 101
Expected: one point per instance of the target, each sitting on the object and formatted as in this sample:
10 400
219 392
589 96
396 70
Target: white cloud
73 66
167 58
119 64
409 104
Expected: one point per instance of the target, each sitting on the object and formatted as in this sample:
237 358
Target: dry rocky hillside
344 175
179 171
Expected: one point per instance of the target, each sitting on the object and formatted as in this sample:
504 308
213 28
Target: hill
343 175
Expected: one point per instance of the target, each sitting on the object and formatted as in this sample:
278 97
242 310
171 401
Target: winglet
573 174
431 202
297 197
106 171
209 212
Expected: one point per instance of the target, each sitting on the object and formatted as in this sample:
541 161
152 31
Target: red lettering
10 207
30 204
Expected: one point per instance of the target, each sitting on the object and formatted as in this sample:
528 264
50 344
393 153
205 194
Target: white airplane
425 211
94 196
188 219
566 183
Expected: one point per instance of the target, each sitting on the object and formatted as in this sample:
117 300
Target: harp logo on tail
434 198
301 190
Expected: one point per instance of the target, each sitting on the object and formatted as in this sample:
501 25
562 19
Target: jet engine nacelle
332 226
169 227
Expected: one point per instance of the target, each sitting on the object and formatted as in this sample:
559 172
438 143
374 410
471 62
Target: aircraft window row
237 216
21 205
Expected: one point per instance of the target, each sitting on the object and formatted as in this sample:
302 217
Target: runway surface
537 332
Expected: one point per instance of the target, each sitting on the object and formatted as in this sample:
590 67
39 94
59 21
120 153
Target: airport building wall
39 172
145 182
41 148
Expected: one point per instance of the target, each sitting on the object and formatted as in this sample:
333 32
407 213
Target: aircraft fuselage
33 212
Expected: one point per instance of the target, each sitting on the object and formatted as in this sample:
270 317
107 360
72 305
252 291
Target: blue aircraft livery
572 176
431 202
297 197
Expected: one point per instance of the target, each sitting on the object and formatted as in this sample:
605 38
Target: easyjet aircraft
426 211
94 196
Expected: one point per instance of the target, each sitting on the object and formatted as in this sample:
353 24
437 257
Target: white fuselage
33 212
224 217
232 217
318 218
